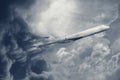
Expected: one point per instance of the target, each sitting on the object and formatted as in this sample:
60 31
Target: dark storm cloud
6 4
14 58
15 39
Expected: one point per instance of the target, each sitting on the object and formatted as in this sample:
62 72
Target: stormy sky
25 23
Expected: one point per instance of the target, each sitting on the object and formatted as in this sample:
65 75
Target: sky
95 57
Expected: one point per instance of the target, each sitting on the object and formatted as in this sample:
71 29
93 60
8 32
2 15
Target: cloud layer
91 58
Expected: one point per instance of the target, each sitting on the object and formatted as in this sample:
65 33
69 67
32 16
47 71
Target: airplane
72 37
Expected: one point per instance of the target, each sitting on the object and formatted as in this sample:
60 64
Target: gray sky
92 58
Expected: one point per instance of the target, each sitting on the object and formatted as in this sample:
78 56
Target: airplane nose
105 27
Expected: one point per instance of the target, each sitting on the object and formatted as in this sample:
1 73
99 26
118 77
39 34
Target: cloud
59 18
84 59
115 46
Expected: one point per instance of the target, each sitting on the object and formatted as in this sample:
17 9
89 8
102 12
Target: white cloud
61 17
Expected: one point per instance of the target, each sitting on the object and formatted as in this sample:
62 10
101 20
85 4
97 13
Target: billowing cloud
60 17
91 58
